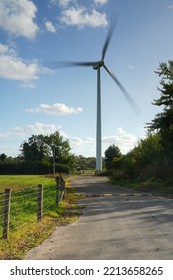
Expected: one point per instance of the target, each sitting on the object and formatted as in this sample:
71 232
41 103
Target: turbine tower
97 66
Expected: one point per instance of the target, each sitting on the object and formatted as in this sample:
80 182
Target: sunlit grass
24 231
17 182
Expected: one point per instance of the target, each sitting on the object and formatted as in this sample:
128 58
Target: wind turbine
97 66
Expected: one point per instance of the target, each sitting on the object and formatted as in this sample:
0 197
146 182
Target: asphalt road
116 224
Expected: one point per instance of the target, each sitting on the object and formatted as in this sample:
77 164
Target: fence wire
24 206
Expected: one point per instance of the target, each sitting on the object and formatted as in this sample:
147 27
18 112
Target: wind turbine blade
62 64
108 39
130 100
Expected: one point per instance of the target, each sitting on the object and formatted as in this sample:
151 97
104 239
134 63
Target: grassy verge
30 233
150 185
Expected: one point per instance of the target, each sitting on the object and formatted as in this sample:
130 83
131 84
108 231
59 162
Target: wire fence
25 206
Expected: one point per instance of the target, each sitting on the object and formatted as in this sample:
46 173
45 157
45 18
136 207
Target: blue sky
37 99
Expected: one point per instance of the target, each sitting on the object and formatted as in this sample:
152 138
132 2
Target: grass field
24 231
17 182
23 206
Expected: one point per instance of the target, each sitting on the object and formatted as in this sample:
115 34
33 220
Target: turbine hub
99 64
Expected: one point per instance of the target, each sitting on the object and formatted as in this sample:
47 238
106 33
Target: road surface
116 224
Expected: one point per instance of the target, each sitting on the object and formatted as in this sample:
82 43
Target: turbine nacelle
98 64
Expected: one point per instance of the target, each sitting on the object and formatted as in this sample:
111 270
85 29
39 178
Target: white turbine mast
97 66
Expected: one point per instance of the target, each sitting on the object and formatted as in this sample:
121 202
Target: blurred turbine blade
62 64
108 39
130 100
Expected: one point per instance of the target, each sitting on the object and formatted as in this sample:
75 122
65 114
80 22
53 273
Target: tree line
42 154
152 157
37 156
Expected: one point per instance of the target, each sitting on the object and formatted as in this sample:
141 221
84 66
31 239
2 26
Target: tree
148 151
48 150
34 149
58 148
111 155
85 162
163 122
3 157
146 155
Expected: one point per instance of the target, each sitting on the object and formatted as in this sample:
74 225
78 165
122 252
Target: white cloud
36 128
56 109
80 17
101 2
17 17
130 67
65 3
61 3
16 135
83 142
125 141
87 146
80 146
121 130
49 26
14 68
3 48
10 149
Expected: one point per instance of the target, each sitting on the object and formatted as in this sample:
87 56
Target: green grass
23 206
148 185
24 231
17 182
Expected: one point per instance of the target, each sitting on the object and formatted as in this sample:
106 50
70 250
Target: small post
57 194
63 189
53 153
57 178
40 203
6 221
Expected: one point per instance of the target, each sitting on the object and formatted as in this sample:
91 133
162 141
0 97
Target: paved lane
116 224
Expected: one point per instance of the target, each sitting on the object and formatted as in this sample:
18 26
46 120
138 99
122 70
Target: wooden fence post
40 203
6 221
57 194
63 189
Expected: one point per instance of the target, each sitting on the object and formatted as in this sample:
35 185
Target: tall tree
59 148
163 122
34 149
51 149
111 154
3 157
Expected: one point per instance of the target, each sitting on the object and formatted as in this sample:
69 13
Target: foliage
147 153
152 158
16 166
163 122
145 161
112 157
85 163
38 155
34 149
3 157
40 147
